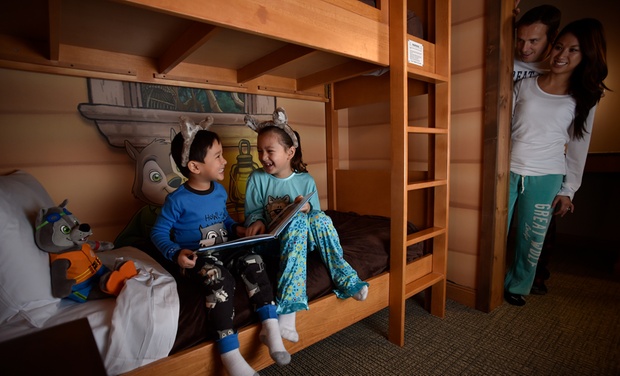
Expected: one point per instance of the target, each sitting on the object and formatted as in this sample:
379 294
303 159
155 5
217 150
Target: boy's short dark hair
546 14
203 141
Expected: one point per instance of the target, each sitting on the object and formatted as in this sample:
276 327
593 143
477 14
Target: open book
277 225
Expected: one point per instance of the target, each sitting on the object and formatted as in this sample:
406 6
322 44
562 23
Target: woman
551 128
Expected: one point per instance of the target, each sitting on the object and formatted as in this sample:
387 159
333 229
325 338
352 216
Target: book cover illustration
275 228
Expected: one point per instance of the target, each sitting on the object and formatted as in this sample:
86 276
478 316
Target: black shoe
514 299
538 288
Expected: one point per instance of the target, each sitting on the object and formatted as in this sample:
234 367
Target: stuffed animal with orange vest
76 271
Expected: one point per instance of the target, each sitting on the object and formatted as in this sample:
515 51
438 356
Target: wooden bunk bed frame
315 50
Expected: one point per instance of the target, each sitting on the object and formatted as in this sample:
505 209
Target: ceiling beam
54 11
193 38
269 62
338 73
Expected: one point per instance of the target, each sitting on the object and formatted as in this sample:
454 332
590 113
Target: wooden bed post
399 141
497 113
439 96
435 72
332 148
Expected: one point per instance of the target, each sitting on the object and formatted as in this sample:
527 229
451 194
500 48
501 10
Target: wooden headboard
368 192
363 191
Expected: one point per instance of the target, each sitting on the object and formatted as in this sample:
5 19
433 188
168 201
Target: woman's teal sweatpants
531 196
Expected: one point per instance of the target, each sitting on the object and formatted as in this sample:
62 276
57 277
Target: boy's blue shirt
185 213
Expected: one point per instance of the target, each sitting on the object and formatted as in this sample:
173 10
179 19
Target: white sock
287 327
235 364
362 294
271 337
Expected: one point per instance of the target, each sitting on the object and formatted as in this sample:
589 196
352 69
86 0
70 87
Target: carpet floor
572 330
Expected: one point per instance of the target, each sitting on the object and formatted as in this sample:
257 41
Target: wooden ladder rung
427 130
422 283
425 234
426 184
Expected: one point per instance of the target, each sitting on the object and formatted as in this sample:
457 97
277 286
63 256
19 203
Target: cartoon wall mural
156 175
143 119
239 174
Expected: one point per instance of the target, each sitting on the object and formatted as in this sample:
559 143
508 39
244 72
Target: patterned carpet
573 330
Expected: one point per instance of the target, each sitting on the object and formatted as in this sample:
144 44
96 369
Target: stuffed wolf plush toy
76 272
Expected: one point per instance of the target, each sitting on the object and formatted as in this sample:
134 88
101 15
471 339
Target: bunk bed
318 50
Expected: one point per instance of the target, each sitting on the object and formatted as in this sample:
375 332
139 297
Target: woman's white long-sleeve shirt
541 142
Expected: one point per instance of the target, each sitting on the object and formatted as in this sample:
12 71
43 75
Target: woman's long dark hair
586 82
297 162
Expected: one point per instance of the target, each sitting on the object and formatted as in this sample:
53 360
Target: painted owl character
76 271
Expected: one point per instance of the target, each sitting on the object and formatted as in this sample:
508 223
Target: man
536 30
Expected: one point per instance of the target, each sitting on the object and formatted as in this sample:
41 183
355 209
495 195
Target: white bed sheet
136 328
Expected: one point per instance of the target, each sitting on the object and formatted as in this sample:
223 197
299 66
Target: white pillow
25 286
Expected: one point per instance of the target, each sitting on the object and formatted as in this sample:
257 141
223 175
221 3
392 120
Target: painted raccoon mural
156 176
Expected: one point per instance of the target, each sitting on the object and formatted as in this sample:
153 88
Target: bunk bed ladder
435 72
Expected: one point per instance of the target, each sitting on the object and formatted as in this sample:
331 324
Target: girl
551 129
283 179
194 215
